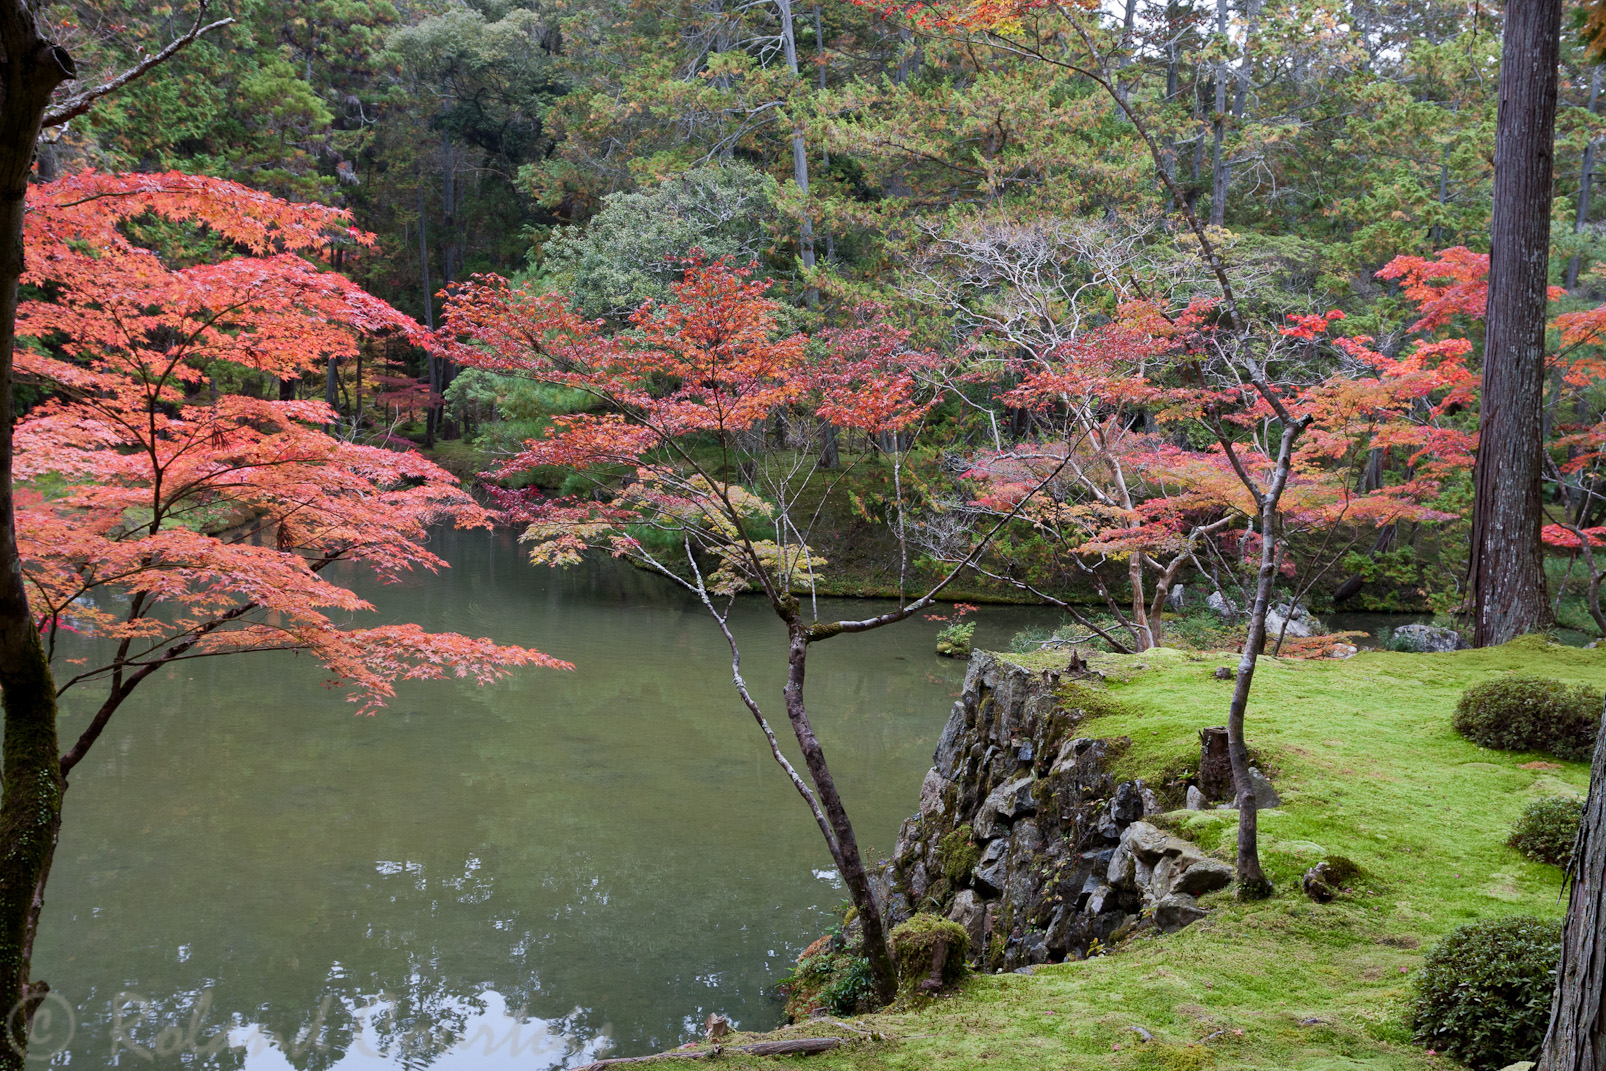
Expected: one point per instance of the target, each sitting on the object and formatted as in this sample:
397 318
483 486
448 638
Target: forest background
996 207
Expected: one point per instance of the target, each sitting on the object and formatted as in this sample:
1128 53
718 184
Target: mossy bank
1370 768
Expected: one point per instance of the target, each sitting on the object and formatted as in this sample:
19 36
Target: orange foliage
710 364
213 518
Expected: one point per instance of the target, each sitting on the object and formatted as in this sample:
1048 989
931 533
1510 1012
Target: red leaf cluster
183 522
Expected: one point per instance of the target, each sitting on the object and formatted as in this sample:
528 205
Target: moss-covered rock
930 952
957 855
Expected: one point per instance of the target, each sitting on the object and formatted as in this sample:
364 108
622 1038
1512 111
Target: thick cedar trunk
1577 1037
30 801
1506 572
848 858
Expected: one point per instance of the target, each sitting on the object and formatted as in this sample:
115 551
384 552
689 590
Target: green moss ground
1369 768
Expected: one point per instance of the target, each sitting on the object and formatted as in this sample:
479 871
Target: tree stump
1215 765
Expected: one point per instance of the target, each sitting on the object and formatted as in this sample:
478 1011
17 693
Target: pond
531 875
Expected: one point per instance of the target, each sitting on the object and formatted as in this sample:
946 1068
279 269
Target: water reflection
597 859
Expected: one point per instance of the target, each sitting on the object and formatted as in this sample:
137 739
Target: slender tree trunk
1252 882
331 383
429 320
800 159
30 798
451 256
1586 178
849 859
449 242
1219 168
1172 61
1506 571
1577 1037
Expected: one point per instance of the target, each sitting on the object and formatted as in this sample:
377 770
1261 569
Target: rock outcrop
1026 840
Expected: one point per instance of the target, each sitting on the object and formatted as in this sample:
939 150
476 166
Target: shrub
914 942
850 988
1484 991
1547 829
955 640
1531 714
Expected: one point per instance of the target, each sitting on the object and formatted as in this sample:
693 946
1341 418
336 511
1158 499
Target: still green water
535 874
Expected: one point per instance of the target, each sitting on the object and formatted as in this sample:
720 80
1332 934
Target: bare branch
79 103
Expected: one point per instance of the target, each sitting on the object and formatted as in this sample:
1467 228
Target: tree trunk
1218 128
1215 764
800 160
1577 1037
848 858
430 411
1586 178
30 799
1252 883
1506 572
830 452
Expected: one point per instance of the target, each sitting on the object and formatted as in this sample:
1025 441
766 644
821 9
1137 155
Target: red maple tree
181 522
686 479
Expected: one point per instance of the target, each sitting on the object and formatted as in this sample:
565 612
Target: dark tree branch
79 103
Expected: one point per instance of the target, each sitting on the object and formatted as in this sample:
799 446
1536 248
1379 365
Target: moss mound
1526 713
914 946
958 854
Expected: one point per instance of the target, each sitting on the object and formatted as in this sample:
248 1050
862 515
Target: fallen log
795 1047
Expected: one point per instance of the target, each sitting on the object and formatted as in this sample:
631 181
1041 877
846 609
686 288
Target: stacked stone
1025 838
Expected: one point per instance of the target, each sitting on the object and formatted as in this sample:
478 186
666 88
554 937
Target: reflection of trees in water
610 850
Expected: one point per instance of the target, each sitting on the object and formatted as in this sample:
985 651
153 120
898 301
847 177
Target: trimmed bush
915 941
1547 829
1484 991
1531 714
